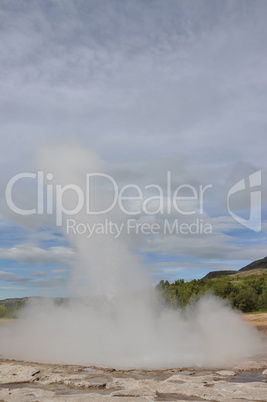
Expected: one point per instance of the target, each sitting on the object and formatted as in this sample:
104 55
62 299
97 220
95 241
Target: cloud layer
151 86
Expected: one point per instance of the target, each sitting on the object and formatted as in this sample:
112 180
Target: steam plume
113 317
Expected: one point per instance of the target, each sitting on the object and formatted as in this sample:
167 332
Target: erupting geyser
113 317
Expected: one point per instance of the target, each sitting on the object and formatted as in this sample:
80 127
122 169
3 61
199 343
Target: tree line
247 293
9 307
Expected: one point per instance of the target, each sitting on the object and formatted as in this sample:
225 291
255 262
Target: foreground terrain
243 381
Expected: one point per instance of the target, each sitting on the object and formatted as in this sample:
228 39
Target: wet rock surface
32 382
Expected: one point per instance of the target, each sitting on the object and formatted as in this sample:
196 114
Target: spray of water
113 317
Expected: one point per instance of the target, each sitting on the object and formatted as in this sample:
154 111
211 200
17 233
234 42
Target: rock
72 380
26 395
251 364
34 395
92 371
84 384
225 373
182 378
17 373
98 398
185 385
118 383
135 393
218 390
137 388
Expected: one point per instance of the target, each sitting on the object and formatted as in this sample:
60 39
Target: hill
253 266
257 271
9 307
215 274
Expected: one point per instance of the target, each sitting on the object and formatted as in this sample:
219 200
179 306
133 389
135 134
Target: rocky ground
34 382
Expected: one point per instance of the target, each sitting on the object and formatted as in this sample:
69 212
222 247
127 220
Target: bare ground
258 320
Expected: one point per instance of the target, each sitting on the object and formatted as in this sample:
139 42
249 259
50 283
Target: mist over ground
130 333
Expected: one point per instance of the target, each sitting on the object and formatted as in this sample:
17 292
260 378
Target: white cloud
12 288
59 271
28 282
38 274
11 277
34 255
151 80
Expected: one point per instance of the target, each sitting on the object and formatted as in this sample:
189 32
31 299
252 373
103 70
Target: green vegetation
246 293
3 311
9 307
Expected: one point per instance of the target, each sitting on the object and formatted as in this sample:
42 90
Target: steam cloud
113 317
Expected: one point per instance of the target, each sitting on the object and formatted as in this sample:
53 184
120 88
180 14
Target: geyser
113 317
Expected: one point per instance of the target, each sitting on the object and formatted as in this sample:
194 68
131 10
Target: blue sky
150 86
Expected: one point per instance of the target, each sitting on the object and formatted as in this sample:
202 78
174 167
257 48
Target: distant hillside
11 303
257 271
255 265
214 274
9 307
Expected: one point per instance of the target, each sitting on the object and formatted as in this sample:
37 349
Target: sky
151 87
